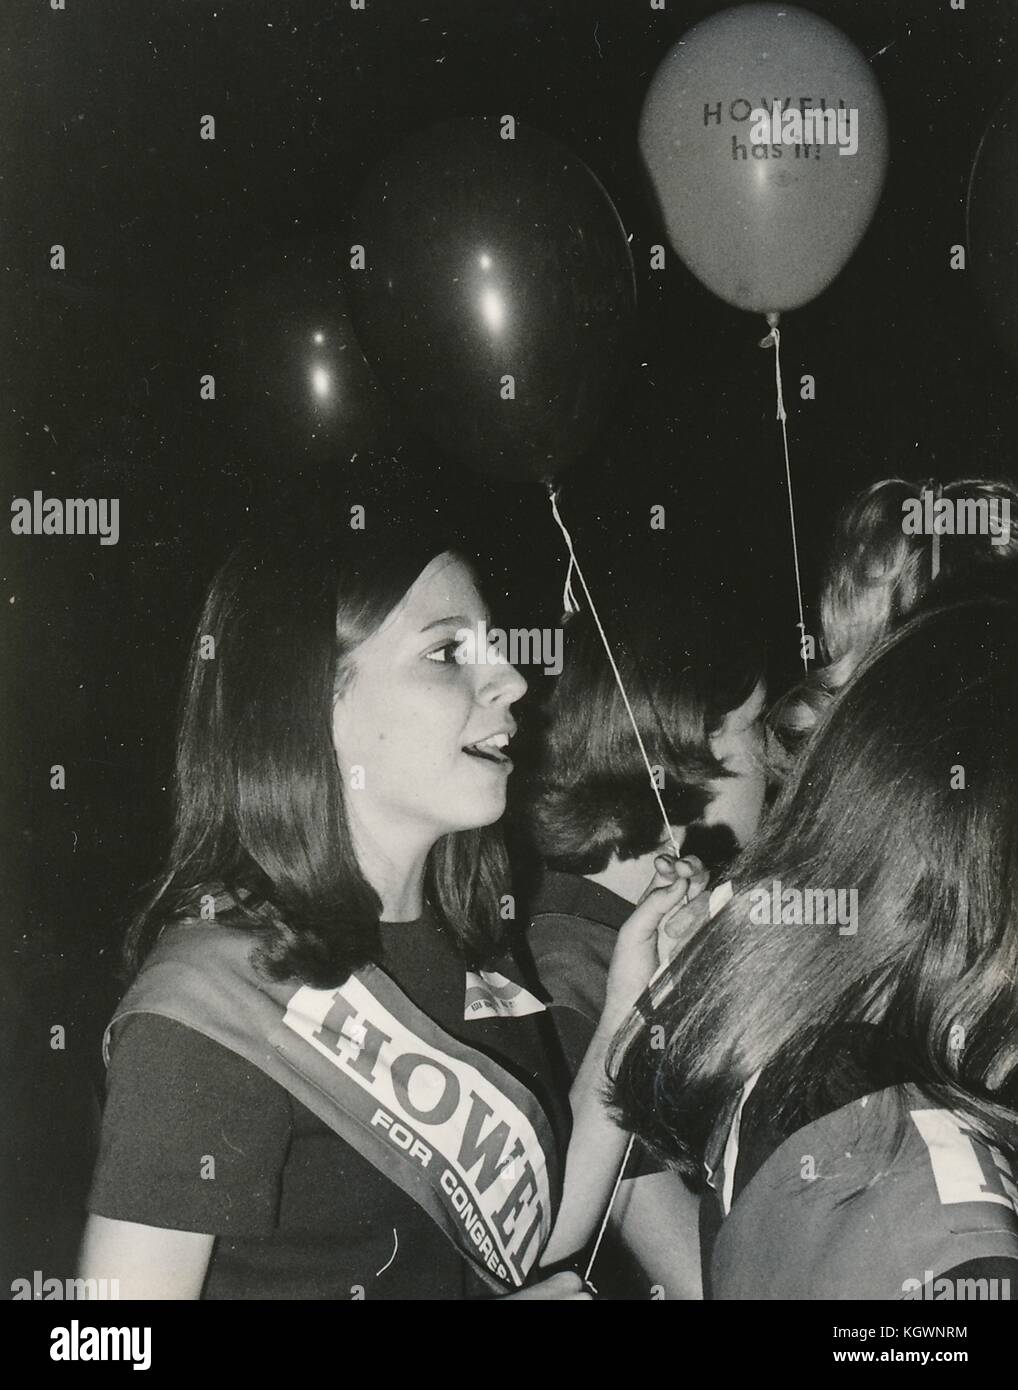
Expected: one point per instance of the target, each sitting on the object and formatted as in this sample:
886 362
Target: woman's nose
503 684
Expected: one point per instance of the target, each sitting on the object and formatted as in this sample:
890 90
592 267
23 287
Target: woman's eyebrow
447 622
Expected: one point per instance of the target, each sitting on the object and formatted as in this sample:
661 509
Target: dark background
99 107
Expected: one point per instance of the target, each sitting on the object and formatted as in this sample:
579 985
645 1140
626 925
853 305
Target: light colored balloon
767 226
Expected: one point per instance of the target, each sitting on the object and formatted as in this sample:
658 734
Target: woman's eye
446 653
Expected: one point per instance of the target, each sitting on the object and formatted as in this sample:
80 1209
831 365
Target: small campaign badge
490 995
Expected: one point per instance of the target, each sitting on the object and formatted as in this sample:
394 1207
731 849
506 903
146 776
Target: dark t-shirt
573 926
857 1068
195 1138
573 923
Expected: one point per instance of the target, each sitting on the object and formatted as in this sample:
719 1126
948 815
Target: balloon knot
773 336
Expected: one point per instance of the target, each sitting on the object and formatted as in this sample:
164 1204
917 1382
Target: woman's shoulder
202 974
803 1214
195 1017
155 1055
194 1137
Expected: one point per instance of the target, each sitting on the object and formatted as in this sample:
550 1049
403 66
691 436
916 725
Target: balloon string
608 1211
572 606
773 339
935 547
569 603
574 564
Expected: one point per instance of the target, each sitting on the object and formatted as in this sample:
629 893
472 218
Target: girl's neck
397 877
404 904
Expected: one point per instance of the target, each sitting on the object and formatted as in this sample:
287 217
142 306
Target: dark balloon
488 260
993 220
291 379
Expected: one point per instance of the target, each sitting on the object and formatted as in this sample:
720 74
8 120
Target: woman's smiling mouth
491 749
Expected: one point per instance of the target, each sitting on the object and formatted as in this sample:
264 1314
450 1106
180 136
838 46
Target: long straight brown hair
259 812
907 793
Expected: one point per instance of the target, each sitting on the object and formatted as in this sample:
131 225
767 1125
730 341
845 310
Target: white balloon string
569 603
608 1211
574 564
773 339
776 339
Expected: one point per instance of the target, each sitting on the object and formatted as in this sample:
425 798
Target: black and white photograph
510 669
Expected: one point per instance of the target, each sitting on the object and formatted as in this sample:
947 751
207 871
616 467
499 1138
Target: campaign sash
443 1121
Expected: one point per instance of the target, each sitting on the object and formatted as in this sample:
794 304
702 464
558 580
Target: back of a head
882 563
907 797
908 793
921 745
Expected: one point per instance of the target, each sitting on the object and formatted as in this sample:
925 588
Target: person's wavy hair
875 576
907 792
587 797
260 819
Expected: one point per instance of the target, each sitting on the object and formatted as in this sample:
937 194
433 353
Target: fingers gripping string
574 564
773 340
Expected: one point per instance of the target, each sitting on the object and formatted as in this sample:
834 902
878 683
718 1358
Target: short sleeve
193 1137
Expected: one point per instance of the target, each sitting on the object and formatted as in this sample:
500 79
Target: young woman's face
739 743
420 737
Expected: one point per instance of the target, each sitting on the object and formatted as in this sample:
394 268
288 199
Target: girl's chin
477 813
